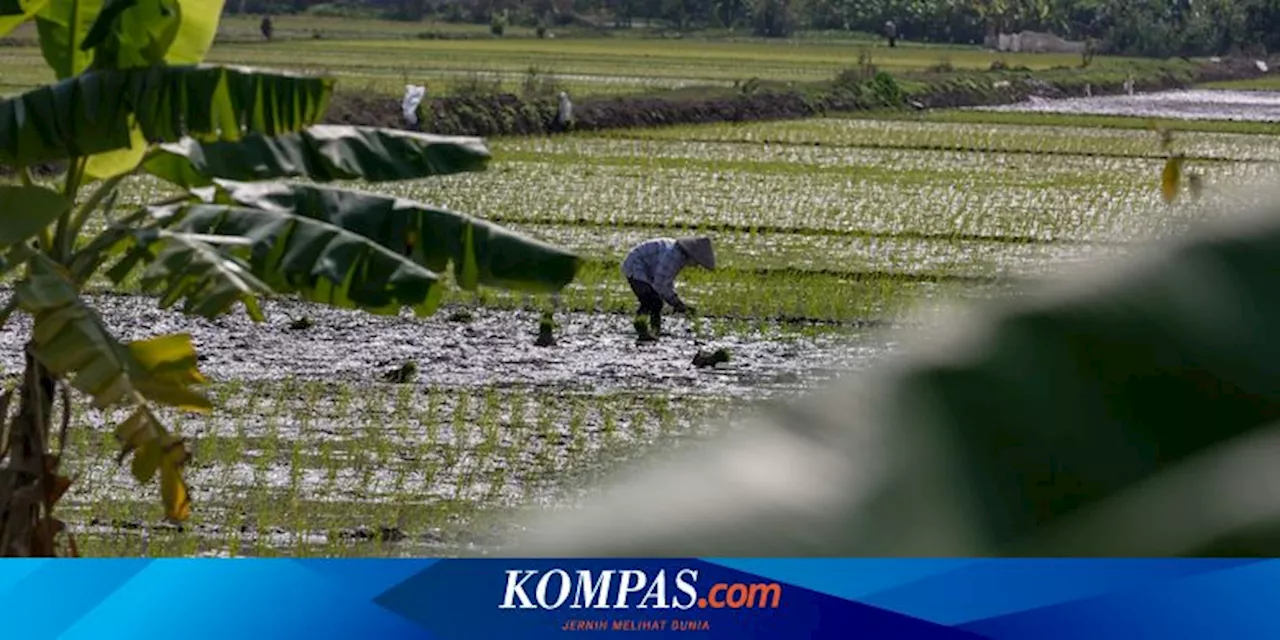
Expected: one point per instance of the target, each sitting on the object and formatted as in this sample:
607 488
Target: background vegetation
1132 27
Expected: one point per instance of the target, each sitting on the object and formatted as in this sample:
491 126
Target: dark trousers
650 303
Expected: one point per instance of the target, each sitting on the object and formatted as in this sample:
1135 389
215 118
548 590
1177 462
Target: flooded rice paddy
1195 104
314 449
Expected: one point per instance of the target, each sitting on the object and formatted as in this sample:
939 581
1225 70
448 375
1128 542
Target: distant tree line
1158 28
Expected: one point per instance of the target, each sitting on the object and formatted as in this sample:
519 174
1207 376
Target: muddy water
288 468
594 352
1254 106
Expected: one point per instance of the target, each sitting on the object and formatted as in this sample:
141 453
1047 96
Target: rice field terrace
340 433
381 57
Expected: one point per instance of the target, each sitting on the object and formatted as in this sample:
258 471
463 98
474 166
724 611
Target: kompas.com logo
617 589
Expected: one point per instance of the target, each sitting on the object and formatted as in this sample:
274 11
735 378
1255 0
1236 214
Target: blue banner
705 598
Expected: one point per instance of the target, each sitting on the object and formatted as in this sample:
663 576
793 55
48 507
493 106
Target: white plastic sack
413 95
1262 66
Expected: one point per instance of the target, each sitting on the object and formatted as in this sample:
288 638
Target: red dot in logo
702 603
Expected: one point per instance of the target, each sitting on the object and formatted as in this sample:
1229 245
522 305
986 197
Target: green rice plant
608 424
489 423
577 432
228 391
403 406
660 408
233 527
638 426
296 466
251 400
461 423
497 481
329 464
332 543
237 443
548 423
456 453
342 401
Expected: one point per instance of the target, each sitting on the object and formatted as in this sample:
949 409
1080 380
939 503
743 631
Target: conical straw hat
700 250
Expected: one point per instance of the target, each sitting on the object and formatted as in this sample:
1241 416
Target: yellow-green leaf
133 33
165 367
147 31
63 26
199 26
174 395
166 377
135 431
173 489
26 10
1171 178
146 460
154 448
170 357
121 161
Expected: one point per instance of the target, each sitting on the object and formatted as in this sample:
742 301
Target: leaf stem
178 199
75 170
86 260
82 214
61 245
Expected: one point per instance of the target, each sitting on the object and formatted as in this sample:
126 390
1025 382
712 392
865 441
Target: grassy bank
857 89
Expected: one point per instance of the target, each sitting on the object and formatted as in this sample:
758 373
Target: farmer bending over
651 269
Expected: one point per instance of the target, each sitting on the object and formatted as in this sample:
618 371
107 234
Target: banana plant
133 99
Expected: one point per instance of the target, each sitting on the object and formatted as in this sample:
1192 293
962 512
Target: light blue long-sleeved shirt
657 262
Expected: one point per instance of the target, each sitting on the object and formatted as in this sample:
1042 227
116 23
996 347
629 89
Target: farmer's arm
664 281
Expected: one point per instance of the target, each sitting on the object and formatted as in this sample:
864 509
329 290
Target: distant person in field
564 115
651 268
267 27
891 32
